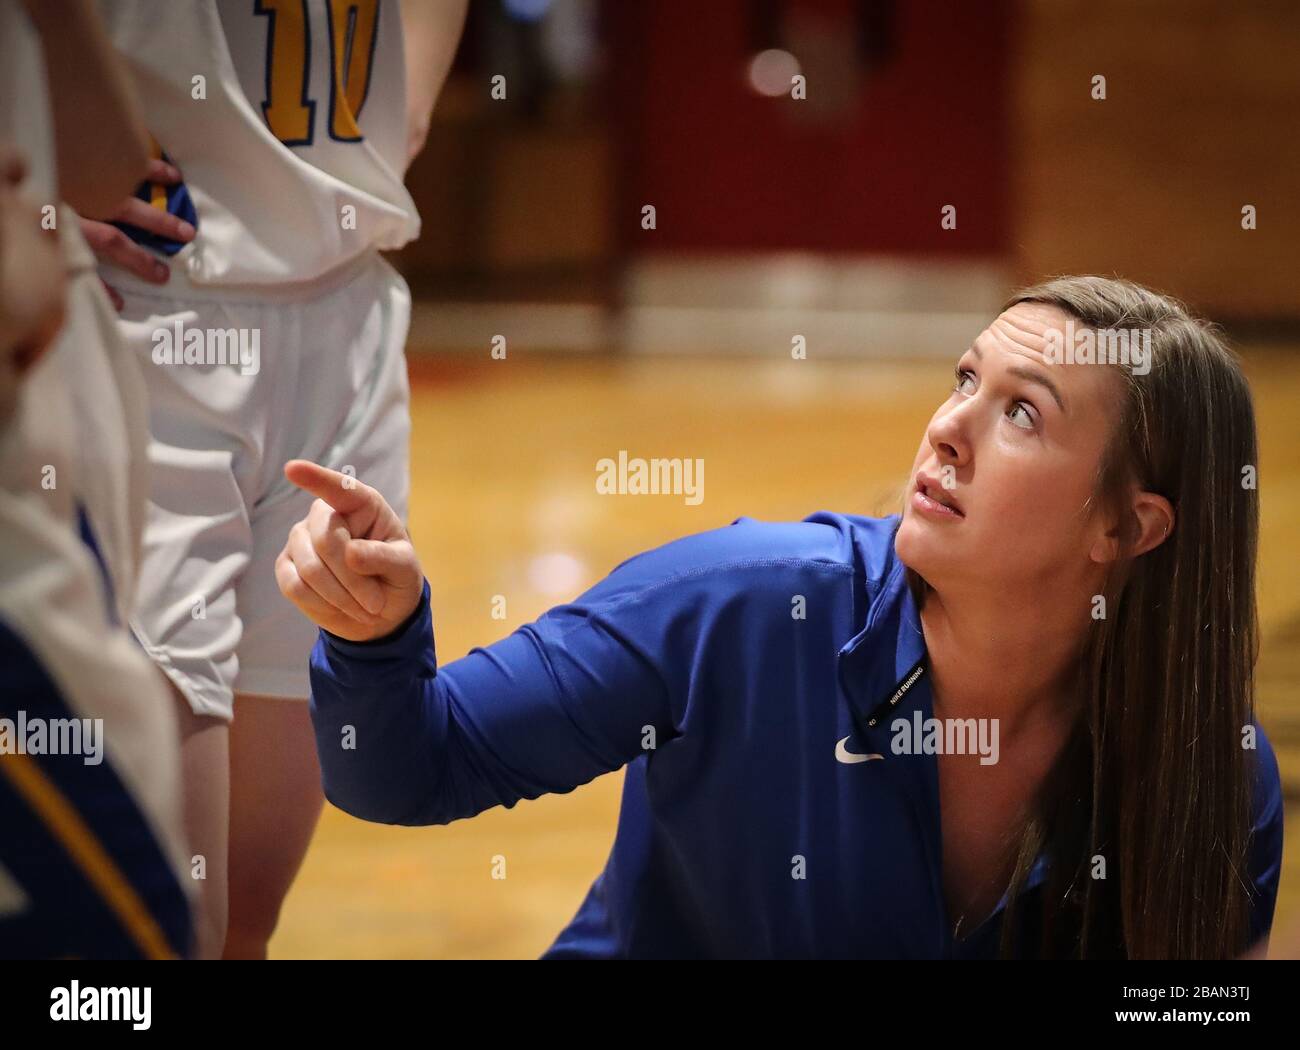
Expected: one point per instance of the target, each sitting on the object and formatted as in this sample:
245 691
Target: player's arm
583 691
431 32
100 138
101 142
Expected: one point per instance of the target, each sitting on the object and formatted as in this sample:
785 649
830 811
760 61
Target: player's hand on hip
112 245
349 565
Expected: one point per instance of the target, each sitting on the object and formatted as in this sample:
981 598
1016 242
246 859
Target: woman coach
1074 566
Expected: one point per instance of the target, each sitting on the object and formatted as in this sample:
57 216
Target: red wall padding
729 170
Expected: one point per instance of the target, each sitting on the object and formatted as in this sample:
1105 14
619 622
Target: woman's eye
1020 416
964 378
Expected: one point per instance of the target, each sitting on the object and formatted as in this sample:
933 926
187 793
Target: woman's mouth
931 498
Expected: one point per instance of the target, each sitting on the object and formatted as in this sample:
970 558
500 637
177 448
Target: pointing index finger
341 491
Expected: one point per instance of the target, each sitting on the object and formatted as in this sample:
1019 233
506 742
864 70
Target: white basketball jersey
80 431
287 119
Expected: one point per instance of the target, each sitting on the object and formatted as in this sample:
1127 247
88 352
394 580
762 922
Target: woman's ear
1155 518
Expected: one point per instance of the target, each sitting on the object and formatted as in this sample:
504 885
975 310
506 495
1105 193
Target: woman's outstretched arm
584 690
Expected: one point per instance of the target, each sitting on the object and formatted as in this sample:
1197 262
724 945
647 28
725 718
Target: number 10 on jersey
290 112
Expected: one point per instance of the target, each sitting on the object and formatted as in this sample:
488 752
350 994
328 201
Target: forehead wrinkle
1022 335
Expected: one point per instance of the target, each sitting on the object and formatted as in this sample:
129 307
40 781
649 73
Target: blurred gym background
776 217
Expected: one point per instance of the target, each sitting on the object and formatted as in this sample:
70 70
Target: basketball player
92 858
268 328
786 697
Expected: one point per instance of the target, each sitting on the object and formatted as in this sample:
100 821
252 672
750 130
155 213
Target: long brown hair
1155 779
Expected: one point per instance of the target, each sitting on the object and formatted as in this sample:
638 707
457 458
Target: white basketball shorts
238 385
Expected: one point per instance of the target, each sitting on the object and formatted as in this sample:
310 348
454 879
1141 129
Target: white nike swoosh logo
843 754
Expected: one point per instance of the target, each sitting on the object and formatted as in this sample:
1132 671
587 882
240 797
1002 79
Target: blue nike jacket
742 676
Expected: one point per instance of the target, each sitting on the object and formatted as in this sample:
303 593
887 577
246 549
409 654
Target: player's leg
357 420
205 778
275 802
204 424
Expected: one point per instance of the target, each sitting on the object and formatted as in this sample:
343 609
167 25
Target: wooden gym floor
504 503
